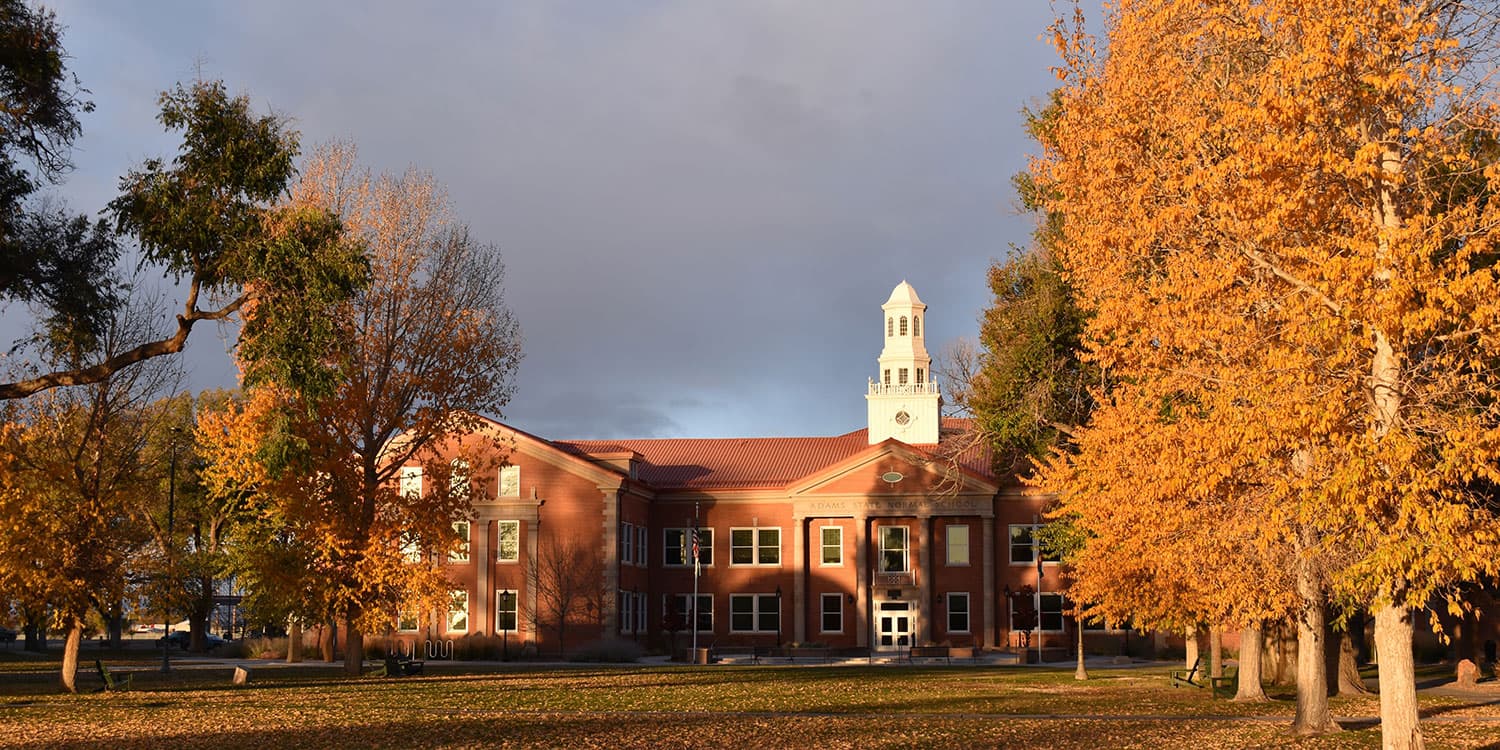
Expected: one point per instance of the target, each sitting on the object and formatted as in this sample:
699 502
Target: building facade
888 536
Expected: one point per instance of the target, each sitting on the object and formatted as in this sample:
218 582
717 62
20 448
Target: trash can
700 656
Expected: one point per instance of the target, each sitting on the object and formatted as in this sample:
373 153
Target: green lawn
719 706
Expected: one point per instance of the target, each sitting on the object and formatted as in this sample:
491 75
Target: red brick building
882 537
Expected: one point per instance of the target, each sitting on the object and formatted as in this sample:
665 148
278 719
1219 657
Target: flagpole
1036 549
696 570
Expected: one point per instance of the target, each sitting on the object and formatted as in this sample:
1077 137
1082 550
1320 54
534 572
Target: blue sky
701 205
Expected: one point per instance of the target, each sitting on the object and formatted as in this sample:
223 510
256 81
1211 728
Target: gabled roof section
764 463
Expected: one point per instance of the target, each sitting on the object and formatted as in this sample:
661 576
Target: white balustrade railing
878 388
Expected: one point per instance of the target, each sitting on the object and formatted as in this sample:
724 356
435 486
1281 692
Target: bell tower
904 401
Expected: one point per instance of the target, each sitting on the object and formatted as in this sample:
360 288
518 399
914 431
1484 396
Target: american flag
696 565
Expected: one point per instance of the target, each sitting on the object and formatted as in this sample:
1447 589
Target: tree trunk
1313 716
293 641
36 637
1399 729
326 642
116 626
1283 656
70 656
1215 652
1349 682
1080 673
1190 645
1468 638
354 644
1250 689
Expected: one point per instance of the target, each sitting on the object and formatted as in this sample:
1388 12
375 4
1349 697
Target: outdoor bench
112 681
1228 683
1188 677
930 652
397 667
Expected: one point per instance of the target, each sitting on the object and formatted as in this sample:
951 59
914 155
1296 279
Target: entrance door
895 625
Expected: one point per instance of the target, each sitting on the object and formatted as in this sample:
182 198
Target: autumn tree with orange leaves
429 345
1277 215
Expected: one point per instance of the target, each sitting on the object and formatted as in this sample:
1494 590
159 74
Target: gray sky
701 205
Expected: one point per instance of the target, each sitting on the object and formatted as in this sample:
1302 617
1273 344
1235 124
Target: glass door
895 625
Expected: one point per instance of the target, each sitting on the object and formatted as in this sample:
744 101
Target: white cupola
904 400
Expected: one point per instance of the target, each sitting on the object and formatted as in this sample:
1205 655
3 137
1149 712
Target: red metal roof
756 463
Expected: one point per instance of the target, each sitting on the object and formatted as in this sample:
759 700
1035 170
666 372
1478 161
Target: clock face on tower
902 418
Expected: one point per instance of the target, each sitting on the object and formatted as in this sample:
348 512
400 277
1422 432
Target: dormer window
903 325
916 327
890 327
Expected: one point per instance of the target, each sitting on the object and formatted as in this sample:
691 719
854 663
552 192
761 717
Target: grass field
313 706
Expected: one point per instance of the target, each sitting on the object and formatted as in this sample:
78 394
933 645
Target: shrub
609 650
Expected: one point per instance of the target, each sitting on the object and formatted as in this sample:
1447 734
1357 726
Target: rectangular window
506 606
461 552
406 621
893 549
901 376
833 545
919 376
510 482
677 547
681 605
833 613
458 479
958 612
411 481
627 543
958 545
1023 546
760 546
1050 608
754 613
626 608
411 548
458 611
509 547
887 378
640 546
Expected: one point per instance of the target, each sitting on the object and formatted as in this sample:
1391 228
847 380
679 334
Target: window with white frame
1049 609
461 552
510 482
832 539
626 609
677 547
958 612
640 546
507 604
682 604
893 549
458 611
754 613
1023 544
833 613
411 548
458 478
406 620
509 547
958 544
757 546
410 483
627 543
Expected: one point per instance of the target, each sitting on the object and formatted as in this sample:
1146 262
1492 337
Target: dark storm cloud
701 205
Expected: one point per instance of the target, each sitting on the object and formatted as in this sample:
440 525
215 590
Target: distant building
883 537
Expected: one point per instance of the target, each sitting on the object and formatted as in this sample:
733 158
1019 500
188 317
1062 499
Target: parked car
7 635
182 638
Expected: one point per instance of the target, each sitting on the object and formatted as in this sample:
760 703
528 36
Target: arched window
916 325
903 325
890 327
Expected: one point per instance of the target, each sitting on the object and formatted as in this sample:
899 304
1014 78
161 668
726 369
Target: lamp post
166 644
505 598
778 615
